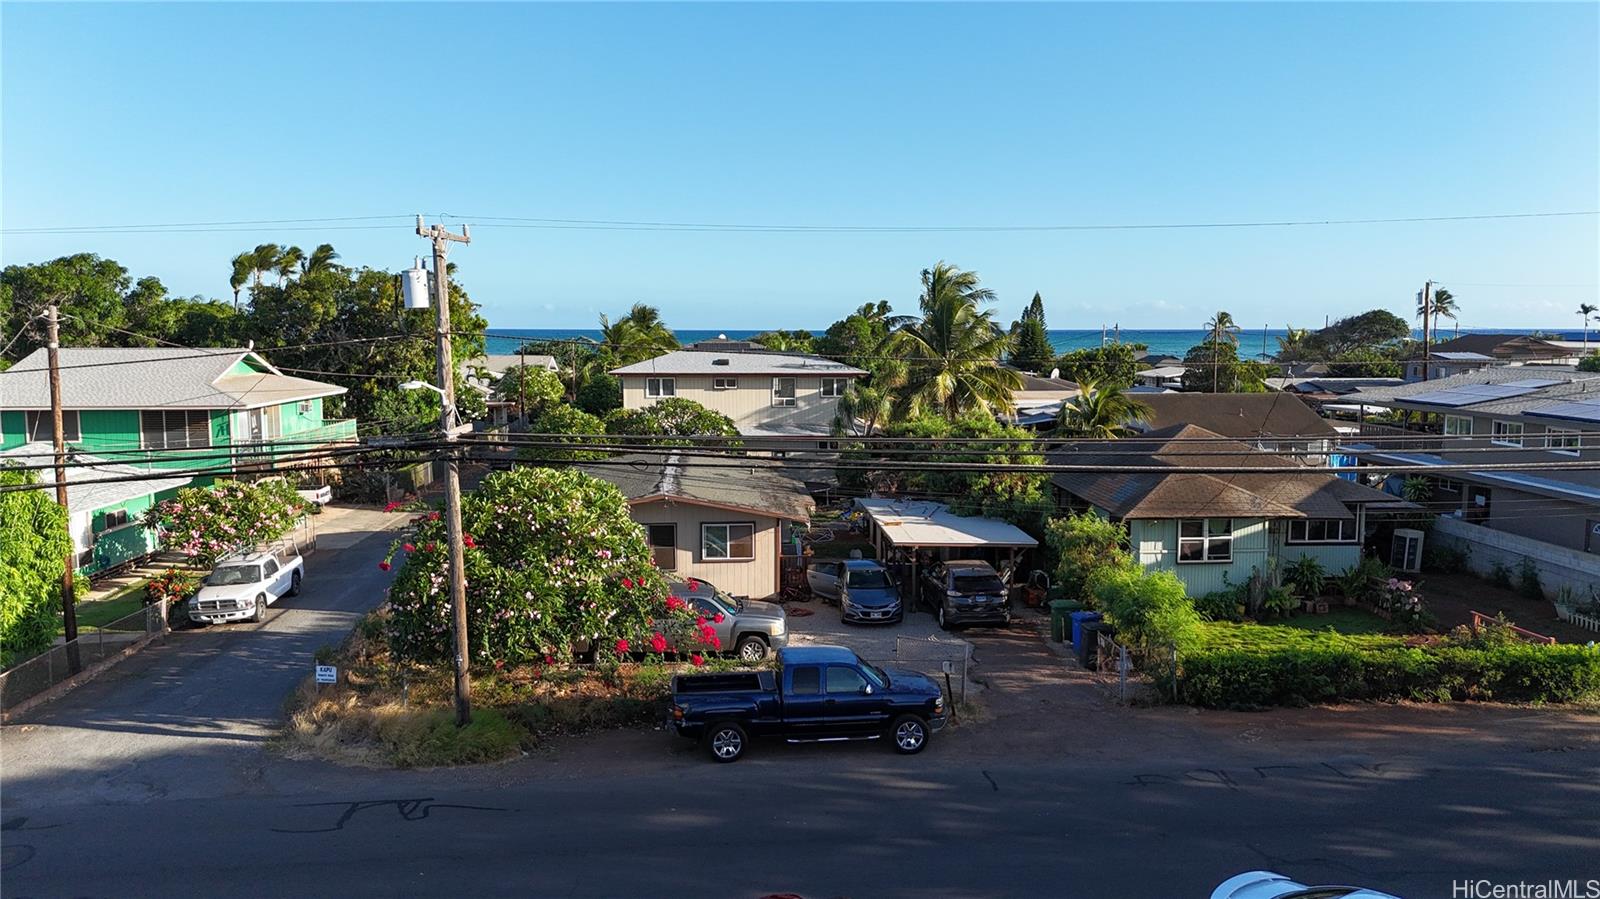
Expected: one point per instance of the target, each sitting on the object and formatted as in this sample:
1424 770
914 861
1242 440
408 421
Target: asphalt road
154 782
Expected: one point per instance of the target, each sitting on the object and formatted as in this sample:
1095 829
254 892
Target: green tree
1372 329
1030 339
530 384
637 336
951 351
554 561
1292 345
1111 365
1587 310
795 341
1590 362
207 523
1020 497
1084 544
560 418
863 410
1217 368
323 258
1099 412
1223 329
34 544
670 417
1365 362
1440 303
1151 611
90 291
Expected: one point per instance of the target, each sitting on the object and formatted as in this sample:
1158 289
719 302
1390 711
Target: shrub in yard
1083 545
1305 575
207 523
173 585
33 543
1222 605
552 560
1149 610
1528 580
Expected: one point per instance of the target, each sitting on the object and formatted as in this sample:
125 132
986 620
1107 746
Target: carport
909 534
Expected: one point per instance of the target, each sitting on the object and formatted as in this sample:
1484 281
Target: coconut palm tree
243 269
1223 328
1099 412
1293 343
863 410
321 259
288 263
638 335
1586 310
952 352
263 259
1441 303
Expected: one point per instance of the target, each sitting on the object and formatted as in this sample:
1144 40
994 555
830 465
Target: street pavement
154 781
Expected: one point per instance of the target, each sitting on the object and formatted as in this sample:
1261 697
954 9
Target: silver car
750 628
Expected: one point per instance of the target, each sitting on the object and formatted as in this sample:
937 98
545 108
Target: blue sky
907 115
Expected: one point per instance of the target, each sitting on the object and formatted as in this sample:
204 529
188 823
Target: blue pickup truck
817 694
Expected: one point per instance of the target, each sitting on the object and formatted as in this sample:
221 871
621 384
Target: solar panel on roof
1494 391
1447 398
1533 383
1573 411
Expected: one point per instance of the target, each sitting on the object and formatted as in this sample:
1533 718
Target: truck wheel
726 740
751 648
294 584
942 625
909 734
261 609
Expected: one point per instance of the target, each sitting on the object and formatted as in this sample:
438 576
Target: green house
180 415
1213 529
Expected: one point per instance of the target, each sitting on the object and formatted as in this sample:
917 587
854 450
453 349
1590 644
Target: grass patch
1340 620
102 612
1273 637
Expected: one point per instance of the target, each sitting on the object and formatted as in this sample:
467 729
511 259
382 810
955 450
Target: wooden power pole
69 614
441 239
1427 342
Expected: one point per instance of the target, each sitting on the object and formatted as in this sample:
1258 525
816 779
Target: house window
174 428
835 386
783 391
41 427
724 383
1447 485
116 518
728 542
305 407
659 387
1562 440
1506 433
1322 530
1205 540
663 545
827 444
1457 426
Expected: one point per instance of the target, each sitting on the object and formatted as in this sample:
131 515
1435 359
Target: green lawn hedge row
1332 668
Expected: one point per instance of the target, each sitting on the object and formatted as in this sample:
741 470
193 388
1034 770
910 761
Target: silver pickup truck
243 585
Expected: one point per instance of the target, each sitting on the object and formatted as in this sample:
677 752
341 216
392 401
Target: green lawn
1342 619
1269 637
121 604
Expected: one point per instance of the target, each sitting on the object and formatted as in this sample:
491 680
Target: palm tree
1293 343
638 335
1586 310
862 410
952 353
1099 413
243 269
288 263
321 259
264 258
1223 328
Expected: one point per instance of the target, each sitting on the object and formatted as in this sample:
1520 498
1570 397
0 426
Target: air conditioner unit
1405 552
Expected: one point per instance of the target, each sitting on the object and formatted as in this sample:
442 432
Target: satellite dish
1055 374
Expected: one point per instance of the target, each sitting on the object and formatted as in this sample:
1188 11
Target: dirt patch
1452 598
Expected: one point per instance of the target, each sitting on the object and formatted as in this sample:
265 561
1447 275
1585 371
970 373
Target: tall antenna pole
441 239
69 614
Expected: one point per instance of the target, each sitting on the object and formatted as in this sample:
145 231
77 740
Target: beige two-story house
767 394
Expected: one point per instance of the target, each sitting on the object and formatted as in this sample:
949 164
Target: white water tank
414 286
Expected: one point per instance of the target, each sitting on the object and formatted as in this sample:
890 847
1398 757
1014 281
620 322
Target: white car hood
231 591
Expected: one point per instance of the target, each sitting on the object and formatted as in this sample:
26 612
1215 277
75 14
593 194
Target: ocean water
1173 342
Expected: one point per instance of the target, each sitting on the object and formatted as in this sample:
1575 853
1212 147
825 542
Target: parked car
1267 885
749 628
242 586
963 591
818 693
864 590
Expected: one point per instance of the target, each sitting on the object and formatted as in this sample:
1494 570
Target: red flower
627 583
433 516
697 659
658 642
716 642
674 604
622 647
549 659
411 547
467 539
693 584
700 622
390 507
384 565
717 618
499 663
431 546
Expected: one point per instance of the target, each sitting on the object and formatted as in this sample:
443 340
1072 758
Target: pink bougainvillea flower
674 603
697 659
384 565
411 547
622 647
658 642
499 664
717 618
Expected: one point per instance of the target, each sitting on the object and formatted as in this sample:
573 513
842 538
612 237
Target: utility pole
441 239
1427 344
69 614
522 382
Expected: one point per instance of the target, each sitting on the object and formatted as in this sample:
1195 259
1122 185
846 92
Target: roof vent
719 362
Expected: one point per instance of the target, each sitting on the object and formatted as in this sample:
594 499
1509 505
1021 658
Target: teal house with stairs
177 416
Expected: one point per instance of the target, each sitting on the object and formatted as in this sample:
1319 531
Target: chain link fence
948 662
96 646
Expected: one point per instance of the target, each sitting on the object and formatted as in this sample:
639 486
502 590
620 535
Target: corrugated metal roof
153 378
82 494
699 362
756 485
915 523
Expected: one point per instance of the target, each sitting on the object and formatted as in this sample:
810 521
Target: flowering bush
207 523
1402 601
173 585
554 564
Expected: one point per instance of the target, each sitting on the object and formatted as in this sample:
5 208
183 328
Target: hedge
1343 670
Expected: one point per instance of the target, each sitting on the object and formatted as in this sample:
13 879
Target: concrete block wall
1558 566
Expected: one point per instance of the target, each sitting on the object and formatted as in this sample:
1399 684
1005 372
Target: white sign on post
949 667
327 674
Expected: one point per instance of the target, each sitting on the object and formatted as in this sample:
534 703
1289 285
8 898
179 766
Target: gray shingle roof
146 378
698 362
1240 415
755 485
83 495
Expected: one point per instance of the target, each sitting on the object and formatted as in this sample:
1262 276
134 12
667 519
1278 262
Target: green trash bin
1059 610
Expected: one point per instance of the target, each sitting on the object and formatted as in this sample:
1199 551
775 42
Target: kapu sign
327 674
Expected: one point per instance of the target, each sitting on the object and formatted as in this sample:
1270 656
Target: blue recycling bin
1079 619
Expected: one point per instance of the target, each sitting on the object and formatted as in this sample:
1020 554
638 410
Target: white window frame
34 422
659 388
727 528
1500 432
724 383
158 440
835 387
1566 448
305 407
1304 527
1452 419
105 520
794 391
1206 540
